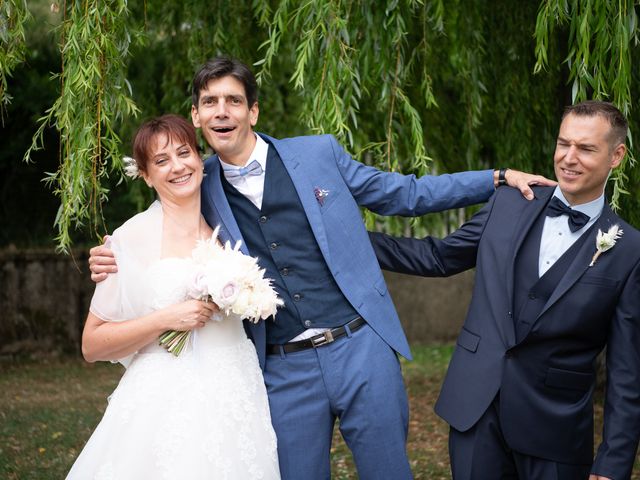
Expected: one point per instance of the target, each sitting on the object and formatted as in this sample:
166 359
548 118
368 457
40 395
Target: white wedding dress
201 415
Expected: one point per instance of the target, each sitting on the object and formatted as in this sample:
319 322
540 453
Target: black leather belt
317 340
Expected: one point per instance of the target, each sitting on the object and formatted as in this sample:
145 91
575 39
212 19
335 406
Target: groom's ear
254 112
195 118
617 155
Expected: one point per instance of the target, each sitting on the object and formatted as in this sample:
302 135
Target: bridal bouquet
230 279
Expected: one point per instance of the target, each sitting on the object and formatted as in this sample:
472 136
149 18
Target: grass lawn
48 410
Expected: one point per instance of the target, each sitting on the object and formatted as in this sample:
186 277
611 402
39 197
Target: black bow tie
577 219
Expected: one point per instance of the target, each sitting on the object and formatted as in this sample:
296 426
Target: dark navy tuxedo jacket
546 378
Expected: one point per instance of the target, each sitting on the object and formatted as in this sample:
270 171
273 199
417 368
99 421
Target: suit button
532 296
262 219
297 297
307 323
284 271
273 246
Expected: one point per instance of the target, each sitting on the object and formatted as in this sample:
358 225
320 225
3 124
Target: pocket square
320 195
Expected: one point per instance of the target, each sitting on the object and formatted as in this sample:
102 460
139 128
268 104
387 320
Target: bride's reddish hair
173 126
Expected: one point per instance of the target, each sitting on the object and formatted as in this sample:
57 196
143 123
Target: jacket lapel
582 259
532 211
229 230
302 183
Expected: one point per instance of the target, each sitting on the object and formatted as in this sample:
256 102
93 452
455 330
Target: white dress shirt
556 235
252 187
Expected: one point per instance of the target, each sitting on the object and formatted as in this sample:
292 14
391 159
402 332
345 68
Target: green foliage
94 96
602 35
22 194
353 68
13 17
415 86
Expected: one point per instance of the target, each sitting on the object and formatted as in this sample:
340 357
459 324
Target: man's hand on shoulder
101 262
522 181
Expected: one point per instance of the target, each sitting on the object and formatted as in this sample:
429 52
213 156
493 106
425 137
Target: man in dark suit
554 284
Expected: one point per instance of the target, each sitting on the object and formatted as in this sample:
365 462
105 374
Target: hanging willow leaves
94 96
601 36
361 74
414 86
13 17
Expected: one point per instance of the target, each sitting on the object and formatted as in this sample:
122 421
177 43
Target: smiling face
585 154
226 119
173 169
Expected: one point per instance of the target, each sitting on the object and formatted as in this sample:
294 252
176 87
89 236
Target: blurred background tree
416 86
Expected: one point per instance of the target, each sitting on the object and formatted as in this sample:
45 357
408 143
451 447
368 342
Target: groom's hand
598 477
101 263
522 181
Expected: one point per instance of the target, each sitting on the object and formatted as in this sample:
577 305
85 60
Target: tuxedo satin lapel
528 216
582 259
305 191
229 230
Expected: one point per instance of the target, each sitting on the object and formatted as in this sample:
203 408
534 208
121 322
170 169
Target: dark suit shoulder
511 198
508 193
210 162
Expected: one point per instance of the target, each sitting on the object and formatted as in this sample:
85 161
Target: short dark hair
608 111
223 67
173 126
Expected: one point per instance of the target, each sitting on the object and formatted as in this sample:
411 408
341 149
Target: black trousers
481 453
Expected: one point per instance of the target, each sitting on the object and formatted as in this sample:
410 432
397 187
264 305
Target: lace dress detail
202 415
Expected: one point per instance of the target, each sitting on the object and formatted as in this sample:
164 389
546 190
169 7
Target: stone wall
44 299
431 310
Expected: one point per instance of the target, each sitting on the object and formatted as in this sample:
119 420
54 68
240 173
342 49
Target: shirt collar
259 154
592 208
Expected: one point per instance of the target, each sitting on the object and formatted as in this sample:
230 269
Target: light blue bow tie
254 168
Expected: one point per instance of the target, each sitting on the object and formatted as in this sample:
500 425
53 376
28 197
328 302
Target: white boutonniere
606 241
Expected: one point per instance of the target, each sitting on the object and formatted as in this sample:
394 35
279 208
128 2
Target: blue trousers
356 379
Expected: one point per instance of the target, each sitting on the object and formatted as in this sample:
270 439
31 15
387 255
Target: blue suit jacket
319 162
546 381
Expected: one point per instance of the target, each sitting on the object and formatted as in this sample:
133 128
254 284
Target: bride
202 414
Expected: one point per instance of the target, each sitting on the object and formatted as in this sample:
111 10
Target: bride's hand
190 314
101 263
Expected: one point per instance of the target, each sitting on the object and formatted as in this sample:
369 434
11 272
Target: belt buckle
327 337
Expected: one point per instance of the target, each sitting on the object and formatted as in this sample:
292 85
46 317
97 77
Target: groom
518 394
331 351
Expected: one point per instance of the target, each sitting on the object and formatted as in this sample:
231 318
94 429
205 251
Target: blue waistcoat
531 291
280 236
